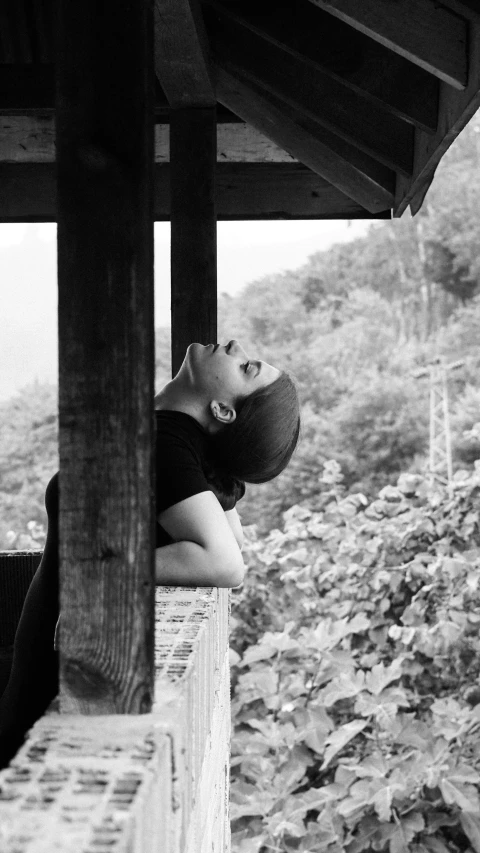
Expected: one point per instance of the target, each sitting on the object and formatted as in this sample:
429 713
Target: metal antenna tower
440 445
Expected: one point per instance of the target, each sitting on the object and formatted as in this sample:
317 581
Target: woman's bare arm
233 519
205 551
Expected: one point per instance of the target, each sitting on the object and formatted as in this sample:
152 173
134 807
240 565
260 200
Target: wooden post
106 353
194 229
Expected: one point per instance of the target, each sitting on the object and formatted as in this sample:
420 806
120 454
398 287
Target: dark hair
259 444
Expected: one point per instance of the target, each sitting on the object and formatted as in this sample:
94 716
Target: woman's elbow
230 572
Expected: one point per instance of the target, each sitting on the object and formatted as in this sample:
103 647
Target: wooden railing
151 783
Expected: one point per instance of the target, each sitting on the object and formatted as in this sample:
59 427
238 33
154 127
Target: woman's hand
205 551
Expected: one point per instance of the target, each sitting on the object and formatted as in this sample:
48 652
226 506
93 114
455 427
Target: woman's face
226 373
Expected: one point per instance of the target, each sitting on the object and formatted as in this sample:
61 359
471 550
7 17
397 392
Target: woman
223 419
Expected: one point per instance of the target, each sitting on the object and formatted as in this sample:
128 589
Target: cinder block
155 783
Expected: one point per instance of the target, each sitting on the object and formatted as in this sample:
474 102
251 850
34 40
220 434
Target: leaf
382 801
258 684
313 798
464 796
358 798
314 727
464 774
471 827
380 676
405 831
384 707
367 829
250 800
249 844
279 825
262 651
346 685
436 846
373 766
336 741
359 623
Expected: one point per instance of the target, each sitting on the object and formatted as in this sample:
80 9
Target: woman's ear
224 413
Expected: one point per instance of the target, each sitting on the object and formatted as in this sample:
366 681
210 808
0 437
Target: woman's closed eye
246 366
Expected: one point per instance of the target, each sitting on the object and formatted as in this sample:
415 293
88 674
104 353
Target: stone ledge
156 783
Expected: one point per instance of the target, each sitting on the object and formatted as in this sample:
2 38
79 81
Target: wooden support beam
31 139
346 55
106 354
193 230
243 191
181 54
383 136
422 31
455 110
371 186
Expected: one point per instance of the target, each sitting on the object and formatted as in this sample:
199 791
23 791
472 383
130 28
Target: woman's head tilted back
259 443
249 408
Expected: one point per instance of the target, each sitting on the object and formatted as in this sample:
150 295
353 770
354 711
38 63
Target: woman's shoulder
180 439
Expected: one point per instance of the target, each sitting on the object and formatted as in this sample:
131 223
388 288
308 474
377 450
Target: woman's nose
235 349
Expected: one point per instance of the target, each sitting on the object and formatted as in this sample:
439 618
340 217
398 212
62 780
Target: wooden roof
326 108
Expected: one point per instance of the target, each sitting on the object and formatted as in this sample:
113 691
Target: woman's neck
175 397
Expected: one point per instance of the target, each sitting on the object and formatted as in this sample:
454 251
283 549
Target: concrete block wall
155 783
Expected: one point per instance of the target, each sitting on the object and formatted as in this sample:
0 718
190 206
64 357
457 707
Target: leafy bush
356 722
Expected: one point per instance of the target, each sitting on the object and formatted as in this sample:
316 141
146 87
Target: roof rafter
181 54
420 30
343 53
372 186
455 110
383 136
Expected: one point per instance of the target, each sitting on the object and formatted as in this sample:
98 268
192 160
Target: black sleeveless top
181 450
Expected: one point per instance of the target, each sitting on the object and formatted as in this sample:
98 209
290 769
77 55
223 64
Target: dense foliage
355 324
28 459
356 674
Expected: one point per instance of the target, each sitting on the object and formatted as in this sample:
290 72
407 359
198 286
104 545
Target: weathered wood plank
422 31
193 230
370 188
345 54
181 54
242 143
380 134
282 191
456 109
31 139
243 191
106 354
27 139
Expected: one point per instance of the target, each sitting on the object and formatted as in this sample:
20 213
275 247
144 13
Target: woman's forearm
188 564
235 525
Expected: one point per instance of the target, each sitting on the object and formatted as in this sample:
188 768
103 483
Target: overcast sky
246 252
